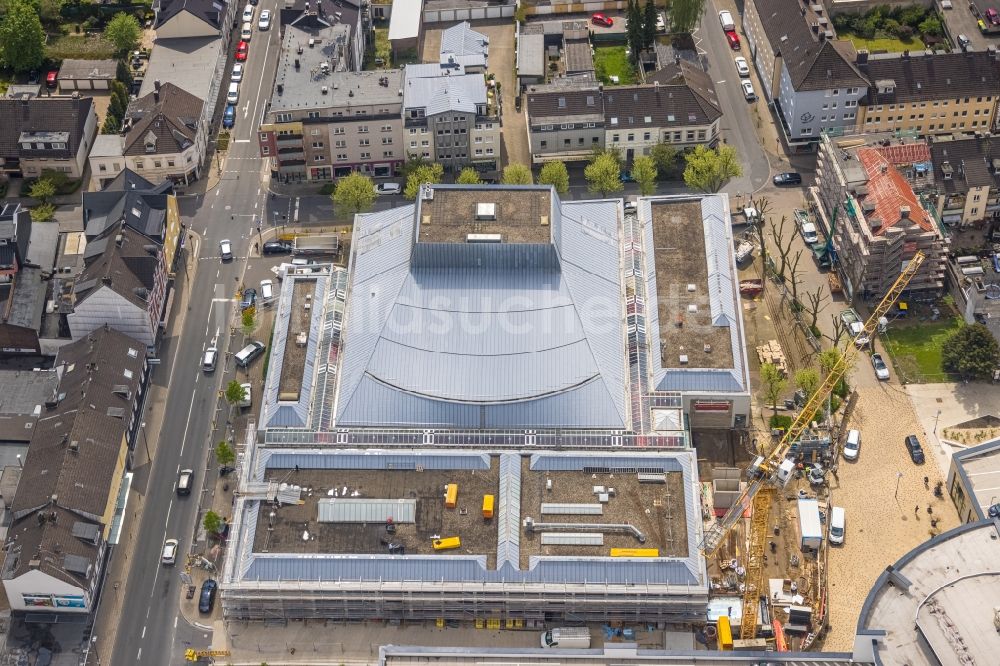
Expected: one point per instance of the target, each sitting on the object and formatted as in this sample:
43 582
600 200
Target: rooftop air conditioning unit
486 211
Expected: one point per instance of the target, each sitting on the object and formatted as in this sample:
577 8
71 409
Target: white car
225 250
247 398
852 445
169 554
726 19
265 20
266 290
248 12
742 68
237 74
881 369
246 32
748 92
388 188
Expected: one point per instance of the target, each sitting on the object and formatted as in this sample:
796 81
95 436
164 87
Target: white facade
809 113
32 167
106 306
183 167
39 592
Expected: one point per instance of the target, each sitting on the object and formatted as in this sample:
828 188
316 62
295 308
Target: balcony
286 138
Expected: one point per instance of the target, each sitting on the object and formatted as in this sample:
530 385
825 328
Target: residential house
191 18
22 290
123 284
565 121
450 110
966 179
70 502
929 93
461 44
346 13
878 222
164 138
325 121
46 133
86 75
810 77
531 62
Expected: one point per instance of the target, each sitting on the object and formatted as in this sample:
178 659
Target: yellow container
440 623
451 495
488 501
725 633
447 543
635 552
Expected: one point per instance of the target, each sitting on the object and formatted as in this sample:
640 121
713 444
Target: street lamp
142 428
899 475
936 417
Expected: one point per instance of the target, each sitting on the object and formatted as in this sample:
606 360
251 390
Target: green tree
633 29
556 175
22 40
516 174
45 212
971 352
111 125
426 173
235 394
604 175
644 173
355 192
412 163
649 16
469 176
807 380
930 26
50 11
123 31
774 383
43 189
684 14
828 360
665 157
213 522
248 321
224 454
708 169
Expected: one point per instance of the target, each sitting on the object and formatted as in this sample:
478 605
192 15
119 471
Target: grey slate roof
43 114
932 76
129 197
442 92
210 11
975 156
523 340
168 119
665 106
813 63
127 268
550 104
88 70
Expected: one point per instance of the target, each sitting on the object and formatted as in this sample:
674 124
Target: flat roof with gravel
516 215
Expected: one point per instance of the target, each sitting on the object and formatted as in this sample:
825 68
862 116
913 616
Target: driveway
962 21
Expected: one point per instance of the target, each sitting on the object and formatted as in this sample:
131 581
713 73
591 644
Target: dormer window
150 147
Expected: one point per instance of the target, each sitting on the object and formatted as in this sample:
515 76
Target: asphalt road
151 630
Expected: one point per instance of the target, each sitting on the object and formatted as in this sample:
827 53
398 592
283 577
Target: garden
916 348
883 29
613 61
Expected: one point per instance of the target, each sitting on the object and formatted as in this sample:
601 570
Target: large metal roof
485 335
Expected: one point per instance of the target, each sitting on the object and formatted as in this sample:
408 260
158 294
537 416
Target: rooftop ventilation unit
486 211
947 170
483 238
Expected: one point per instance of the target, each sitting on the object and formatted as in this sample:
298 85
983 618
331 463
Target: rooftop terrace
516 215
300 318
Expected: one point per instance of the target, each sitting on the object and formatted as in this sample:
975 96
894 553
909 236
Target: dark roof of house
168 119
54 541
129 197
689 101
72 462
23 299
128 267
210 11
43 114
813 62
971 161
552 103
88 70
932 76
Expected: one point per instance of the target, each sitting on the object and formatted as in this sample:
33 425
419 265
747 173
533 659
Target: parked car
881 369
733 39
264 22
601 19
277 247
914 449
748 92
993 16
237 74
169 554
981 24
246 32
788 178
855 327
852 445
185 478
742 67
248 12
247 396
225 250
726 19
809 234
266 290
248 298
51 78
206 602
229 116
963 41
209 360
242 50
388 188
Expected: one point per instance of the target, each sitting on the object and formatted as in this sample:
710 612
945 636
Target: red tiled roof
907 153
888 189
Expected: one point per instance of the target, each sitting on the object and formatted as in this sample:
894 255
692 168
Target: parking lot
962 20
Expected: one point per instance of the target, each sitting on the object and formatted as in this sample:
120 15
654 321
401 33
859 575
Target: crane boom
767 469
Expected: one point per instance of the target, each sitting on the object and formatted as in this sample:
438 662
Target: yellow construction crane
772 471
197 655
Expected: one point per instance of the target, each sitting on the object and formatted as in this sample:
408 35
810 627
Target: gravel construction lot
881 527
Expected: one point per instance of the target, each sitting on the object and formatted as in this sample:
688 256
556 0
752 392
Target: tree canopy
604 174
123 31
665 157
556 175
708 169
516 174
22 40
644 173
684 14
421 174
235 394
355 192
971 352
774 384
469 176
224 454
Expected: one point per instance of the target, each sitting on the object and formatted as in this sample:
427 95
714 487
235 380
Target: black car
207 600
914 449
788 178
277 247
249 298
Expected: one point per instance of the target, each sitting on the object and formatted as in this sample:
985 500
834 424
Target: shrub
782 421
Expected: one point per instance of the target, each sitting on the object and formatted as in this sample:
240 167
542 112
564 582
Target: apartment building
966 179
929 93
878 222
449 118
565 121
46 133
810 77
325 121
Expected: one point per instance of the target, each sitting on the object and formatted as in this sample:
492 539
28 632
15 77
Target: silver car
881 369
169 555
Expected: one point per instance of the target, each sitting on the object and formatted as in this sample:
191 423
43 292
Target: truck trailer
810 527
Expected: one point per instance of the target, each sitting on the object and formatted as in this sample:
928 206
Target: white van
852 445
233 95
837 519
266 290
566 637
726 19
208 362
246 32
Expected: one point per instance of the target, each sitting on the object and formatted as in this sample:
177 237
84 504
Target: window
690 135
366 156
157 164
363 129
364 142
594 140
265 150
478 139
975 211
425 143
546 127
387 141
826 106
314 132
645 136
850 116
103 167
170 163
413 131
566 142
807 131
489 151
852 91
338 130
835 92
545 144
283 117
975 197
580 141
850 103
566 126
313 114
340 143
701 135
386 128
413 144
317 144
386 153
341 157
479 151
319 158
631 136
58 145
833 106
615 138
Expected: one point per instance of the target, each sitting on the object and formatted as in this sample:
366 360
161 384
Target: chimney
862 59
815 28
296 63
156 85
906 54
281 89
904 212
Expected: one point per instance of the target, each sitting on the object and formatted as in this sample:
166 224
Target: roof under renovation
487 308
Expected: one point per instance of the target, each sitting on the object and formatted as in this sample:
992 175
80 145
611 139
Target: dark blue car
229 116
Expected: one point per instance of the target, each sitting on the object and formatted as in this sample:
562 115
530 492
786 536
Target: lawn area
916 349
611 61
890 44
82 47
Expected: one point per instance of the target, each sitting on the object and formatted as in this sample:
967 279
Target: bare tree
763 208
839 330
816 303
794 276
782 245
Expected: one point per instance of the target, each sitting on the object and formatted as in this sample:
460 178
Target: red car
733 39
992 16
242 49
51 77
601 19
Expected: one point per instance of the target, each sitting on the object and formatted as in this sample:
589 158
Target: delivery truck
567 637
810 527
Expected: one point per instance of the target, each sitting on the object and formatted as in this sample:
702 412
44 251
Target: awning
118 520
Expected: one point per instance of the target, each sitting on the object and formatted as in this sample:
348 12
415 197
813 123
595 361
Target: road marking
169 507
296 217
175 621
242 140
139 656
190 410
720 82
178 469
143 632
